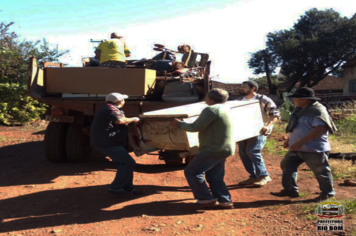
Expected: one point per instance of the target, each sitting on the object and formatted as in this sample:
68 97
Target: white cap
115 97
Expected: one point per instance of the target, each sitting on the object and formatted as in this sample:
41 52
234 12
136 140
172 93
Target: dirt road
42 198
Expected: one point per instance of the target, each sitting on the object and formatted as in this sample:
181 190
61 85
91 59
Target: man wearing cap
309 126
250 149
109 134
113 52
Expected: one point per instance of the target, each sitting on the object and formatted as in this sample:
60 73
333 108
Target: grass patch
342 169
272 147
307 210
345 138
301 194
274 207
350 206
286 212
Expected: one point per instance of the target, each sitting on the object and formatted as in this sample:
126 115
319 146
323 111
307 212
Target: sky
229 30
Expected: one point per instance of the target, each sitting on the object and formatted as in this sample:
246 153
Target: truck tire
175 162
189 159
77 144
54 142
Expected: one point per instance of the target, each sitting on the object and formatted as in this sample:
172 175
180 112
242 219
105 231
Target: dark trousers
125 165
214 170
113 64
316 161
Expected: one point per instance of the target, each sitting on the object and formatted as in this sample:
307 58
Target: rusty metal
159 45
47 64
159 49
62 119
178 65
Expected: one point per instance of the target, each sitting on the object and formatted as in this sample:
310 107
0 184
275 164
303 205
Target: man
250 149
113 52
109 134
308 128
215 144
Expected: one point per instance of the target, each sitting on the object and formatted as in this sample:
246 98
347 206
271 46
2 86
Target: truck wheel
175 162
54 142
171 158
189 159
77 144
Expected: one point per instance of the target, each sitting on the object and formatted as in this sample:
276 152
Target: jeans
214 169
124 164
316 161
251 157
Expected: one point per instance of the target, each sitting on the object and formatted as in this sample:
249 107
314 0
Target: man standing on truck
250 149
109 134
216 143
113 52
309 126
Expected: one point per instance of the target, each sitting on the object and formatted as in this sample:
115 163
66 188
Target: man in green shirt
216 143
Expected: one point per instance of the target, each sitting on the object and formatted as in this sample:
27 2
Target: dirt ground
42 198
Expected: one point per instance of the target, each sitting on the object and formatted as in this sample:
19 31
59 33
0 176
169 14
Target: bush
16 107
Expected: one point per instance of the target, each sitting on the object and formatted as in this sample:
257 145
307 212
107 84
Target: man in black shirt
109 134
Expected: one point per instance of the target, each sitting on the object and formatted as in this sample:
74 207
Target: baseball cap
115 97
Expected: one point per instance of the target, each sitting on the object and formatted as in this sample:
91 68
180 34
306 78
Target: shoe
210 202
137 192
248 181
285 193
262 181
226 205
120 193
323 197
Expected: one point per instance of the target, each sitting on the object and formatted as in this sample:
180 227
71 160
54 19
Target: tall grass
344 139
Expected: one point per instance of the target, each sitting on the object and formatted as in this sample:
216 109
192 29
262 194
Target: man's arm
97 54
273 114
315 133
126 121
203 121
126 50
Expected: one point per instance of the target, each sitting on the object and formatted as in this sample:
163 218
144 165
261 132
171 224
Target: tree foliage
15 105
318 44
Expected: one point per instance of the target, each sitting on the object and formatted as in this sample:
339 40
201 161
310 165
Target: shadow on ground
28 158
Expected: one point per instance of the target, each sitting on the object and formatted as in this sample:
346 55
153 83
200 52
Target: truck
75 93
159 90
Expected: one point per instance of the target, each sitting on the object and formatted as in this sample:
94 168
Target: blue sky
228 30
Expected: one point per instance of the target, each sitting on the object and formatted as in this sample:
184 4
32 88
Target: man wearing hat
113 52
309 126
109 134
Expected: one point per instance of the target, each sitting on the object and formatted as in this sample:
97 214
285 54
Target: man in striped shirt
250 149
215 144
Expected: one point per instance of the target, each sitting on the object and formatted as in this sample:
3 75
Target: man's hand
297 145
286 143
264 131
138 151
174 123
135 119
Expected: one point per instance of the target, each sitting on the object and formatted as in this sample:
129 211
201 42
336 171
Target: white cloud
228 35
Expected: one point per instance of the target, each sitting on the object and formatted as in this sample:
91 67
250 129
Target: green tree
263 61
318 44
15 105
